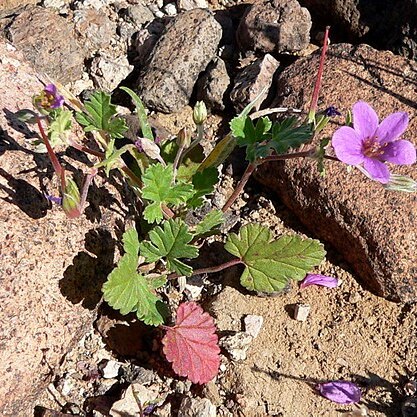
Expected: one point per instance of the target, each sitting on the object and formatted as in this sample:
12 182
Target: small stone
108 72
194 286
139 14
182 387
237 345
184 5
164 411
111 369
54 4
354 298
170 9
253 325
196 407
301 312
211 391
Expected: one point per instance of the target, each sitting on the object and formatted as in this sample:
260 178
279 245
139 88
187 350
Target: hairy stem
85 149
239 188
210 270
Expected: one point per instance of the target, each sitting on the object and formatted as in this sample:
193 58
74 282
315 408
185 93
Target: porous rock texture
51 268
274 26
384 24
185 50
48 41
374 229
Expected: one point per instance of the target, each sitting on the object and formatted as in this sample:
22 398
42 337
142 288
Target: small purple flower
332 112
317 279
53 199
138 144
341 392
373 143
55 99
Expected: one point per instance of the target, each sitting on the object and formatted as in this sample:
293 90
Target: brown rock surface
375 230
185 50
6 5
275 26
48 41
51 268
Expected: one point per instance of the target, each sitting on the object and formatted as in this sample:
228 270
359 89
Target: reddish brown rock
8 5
48 41
375 230
51 268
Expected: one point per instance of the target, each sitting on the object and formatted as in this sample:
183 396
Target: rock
9 5
185 50
48 41
170 9
389 26
194 286
95 29
51 268
139 14
196 407
252 79
375 230
274 26
128 404
237 345
213 85
301 312
146 40
54 4
253 325
108 72
111 369
184 5
409 407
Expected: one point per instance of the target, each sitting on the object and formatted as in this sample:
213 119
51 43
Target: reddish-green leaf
192 344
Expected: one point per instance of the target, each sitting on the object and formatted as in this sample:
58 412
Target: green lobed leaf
209 223
131 242
203 183
287 134
158 189
269 264
100 115
141 111
171 242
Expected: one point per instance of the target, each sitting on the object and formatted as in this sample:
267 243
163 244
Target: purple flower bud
138 144
341 392
332 112
317 279
53 199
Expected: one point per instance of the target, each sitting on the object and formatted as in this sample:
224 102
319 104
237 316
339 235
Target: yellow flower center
372 148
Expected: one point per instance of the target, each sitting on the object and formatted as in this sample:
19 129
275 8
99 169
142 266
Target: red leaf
192 344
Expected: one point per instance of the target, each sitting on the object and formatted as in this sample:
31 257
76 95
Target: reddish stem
315 96
55 163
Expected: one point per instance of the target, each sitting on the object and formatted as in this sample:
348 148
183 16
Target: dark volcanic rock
275 26
185 50
49 43
384 24
375 230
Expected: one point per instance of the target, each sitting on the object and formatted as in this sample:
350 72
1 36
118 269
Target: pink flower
373 143
318 279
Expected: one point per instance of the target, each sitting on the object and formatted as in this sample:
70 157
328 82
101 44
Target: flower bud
401 183
184 138
199 113
71 200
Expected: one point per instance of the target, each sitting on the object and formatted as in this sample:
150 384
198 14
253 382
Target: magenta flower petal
348 146
365 120
401 152
341 392
377 170
317 279
392 127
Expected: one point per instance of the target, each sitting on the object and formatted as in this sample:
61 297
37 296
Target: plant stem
85 149
239 188
315 96
211 269
177 161
54 160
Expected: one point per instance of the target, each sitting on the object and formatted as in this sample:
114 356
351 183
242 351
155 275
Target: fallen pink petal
318 279
341 392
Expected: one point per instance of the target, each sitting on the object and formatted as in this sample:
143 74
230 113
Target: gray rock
237 345
301 312
184 5
111 369
185 50
253 324
213 85
275 26
170 9
374 229
252 79
196 407
95 29
48 41
139 14
108 72
384 25
54 4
